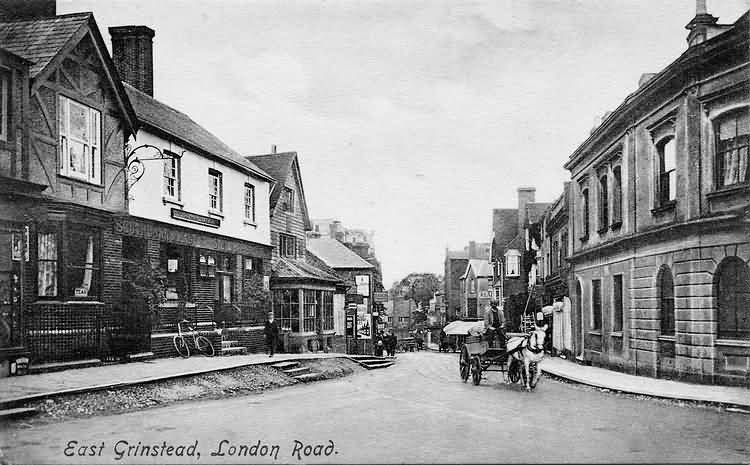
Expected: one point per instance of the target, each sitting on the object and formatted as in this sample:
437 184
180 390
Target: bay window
327 298
79 144
286 308
68 261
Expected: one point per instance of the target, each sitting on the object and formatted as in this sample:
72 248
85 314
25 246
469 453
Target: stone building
660 219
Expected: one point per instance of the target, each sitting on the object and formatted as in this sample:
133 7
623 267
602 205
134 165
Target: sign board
351 322
180 214
363 284
354 298
380 297
364 320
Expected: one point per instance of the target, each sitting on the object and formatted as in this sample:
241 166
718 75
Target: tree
420 287
145 284
257 296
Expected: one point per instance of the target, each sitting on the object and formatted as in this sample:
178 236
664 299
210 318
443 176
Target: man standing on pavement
272 334
494 323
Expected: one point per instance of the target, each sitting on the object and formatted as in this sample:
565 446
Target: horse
527 350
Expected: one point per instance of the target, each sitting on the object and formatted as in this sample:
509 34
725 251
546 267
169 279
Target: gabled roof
482 268
291 269
176 124
280 166
335 254
42 41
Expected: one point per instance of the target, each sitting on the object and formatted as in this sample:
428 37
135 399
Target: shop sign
363 284
380 297
211 222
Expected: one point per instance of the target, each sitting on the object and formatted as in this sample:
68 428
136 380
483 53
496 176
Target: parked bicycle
200 343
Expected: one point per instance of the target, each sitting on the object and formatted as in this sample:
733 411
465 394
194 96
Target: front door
11 258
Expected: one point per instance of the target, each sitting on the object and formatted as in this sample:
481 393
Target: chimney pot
132 52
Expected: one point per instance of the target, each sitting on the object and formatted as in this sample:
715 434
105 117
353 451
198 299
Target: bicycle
201 343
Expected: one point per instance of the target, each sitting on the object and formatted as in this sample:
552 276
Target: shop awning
462 328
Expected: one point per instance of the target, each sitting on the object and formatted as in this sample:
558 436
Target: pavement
730 396
16 390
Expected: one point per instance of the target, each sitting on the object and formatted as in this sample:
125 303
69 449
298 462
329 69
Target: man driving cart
494 324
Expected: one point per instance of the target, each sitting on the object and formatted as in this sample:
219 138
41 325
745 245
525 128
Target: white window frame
172 164
215 190
250 202
512 257
92 153
4 101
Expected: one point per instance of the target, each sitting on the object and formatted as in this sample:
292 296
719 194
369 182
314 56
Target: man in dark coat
272 334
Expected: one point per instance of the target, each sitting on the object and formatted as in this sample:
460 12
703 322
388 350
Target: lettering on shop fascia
161 234
179 214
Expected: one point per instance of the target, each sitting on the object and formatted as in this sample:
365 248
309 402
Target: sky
412 118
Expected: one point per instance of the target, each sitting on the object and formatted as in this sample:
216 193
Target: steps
372 362
231 347
298 372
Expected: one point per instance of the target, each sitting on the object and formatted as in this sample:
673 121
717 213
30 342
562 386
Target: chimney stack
526 195
11 10
132 52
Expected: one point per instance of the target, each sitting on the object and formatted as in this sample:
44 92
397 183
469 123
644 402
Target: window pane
47 264
82 268
79 121
77 160
62 119
669 155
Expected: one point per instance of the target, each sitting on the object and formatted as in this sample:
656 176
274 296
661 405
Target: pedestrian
271 331
391 344
494 324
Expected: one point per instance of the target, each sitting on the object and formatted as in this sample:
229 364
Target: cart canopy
462 328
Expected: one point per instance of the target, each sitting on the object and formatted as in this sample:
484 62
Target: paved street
416 411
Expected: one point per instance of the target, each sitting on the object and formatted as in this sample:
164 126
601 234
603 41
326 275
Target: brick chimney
132 52
27 9
526 195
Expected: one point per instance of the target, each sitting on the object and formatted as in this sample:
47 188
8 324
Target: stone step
140 356
282 365
232 350
296 371
10 413
307 377
379 365
368 357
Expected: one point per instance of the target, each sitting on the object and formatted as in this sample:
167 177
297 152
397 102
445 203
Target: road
416 411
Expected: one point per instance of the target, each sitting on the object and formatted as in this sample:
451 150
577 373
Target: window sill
615 226
666 338
512 276
250 223
615 334
732 342
664 208
595 332
729 191
215 213
172 201
81 181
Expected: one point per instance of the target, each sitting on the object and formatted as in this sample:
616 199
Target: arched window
732 146
666 301
733 298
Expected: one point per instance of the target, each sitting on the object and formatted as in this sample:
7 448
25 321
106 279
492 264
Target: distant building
454 268
476 288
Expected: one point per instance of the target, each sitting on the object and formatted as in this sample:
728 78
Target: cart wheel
463 363
476 370
513 371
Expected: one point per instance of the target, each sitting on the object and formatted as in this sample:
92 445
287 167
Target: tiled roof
279 166
286 268
535 211
40 40
504 226
173 122
517 243
335 254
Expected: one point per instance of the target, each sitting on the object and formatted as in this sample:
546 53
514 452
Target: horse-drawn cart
477 357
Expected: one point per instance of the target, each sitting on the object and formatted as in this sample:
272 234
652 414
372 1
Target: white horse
529 349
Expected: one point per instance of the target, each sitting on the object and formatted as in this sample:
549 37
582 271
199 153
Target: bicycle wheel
204 346
180 344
